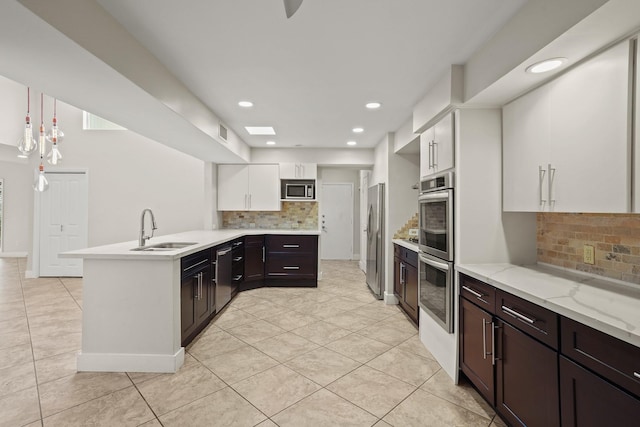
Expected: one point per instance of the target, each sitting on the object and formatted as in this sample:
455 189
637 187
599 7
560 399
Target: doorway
63 223
336 216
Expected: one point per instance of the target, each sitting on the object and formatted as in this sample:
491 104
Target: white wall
346 175
17 199
127 173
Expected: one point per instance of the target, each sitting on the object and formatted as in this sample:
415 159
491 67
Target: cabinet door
444 137
398 286
590 135
411 291
308 170
233 184
476 348
264 188
188 288
525 152
288 170
426 154
254 253
202 302
526 379
588 400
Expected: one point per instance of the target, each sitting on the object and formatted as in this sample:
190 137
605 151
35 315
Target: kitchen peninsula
131 319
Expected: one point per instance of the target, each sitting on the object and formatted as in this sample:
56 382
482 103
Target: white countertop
608 306
203 239
407 244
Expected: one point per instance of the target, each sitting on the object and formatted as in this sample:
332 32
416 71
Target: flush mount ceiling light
271 143
546 65
352 143
373 105
260 130
245 104
357 130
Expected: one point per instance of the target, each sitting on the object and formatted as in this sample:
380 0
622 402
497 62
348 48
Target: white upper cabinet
298 171
566 145
436 147
248 188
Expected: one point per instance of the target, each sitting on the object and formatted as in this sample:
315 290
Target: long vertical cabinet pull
430 151
263 254
541 174
551 176
246 204
493 343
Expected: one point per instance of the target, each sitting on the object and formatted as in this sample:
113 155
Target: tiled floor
331 356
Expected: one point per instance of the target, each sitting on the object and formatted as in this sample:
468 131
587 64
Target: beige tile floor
331 356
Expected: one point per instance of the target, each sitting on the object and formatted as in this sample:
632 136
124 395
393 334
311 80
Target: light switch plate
589 255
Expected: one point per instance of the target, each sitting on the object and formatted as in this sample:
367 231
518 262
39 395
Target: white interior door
336 215
63 223
364 186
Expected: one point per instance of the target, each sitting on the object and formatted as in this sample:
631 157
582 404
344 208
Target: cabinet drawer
252 241
409 256
610 357
194 262
478 292
532 319
291 244
291 266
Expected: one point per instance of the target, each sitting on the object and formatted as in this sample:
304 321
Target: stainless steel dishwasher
224 282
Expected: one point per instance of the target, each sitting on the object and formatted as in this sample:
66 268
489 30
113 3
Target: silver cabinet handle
635 374
471 291
263 254
551 176
430 149
518 315
238 258
290 246
291 268
246 204
541 173
223 251
401 273
484 339
249 201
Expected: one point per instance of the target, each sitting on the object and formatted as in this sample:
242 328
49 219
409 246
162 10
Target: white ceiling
310 76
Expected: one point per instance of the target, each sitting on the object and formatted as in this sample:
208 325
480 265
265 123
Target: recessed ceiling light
245 104
357 130
373 105
271 143
546 65
260 130
352 143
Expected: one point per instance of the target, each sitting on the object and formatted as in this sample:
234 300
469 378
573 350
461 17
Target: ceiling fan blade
291 6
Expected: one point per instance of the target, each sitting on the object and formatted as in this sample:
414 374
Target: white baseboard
13 254
117 362
390 299
363 266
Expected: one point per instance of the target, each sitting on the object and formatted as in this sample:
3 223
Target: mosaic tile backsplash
616 238
403 233
300 215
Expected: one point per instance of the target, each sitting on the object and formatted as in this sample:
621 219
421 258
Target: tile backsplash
616 238
403 233
300 215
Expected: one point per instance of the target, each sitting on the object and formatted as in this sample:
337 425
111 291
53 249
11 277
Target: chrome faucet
144 238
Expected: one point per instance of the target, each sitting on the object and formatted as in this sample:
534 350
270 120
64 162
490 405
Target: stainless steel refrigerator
375 240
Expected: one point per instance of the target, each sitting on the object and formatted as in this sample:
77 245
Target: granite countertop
407 244
203 239
609 306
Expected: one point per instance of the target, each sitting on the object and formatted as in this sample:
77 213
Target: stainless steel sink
166 246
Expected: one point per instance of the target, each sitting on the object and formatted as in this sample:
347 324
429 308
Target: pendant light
55 136
26 144
41 184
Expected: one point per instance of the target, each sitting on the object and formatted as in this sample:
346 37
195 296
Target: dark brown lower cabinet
589 401
405 283
254 253
196 294
475 348
526 379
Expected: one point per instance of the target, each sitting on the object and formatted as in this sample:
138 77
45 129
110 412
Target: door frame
351 212
37 213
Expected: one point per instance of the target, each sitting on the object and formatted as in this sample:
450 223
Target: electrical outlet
589 254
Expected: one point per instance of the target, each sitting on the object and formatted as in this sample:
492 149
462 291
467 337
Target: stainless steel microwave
299 191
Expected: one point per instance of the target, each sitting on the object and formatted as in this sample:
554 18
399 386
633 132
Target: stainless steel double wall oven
435 241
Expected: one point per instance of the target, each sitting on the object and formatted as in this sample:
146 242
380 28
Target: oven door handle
436 264
435 196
